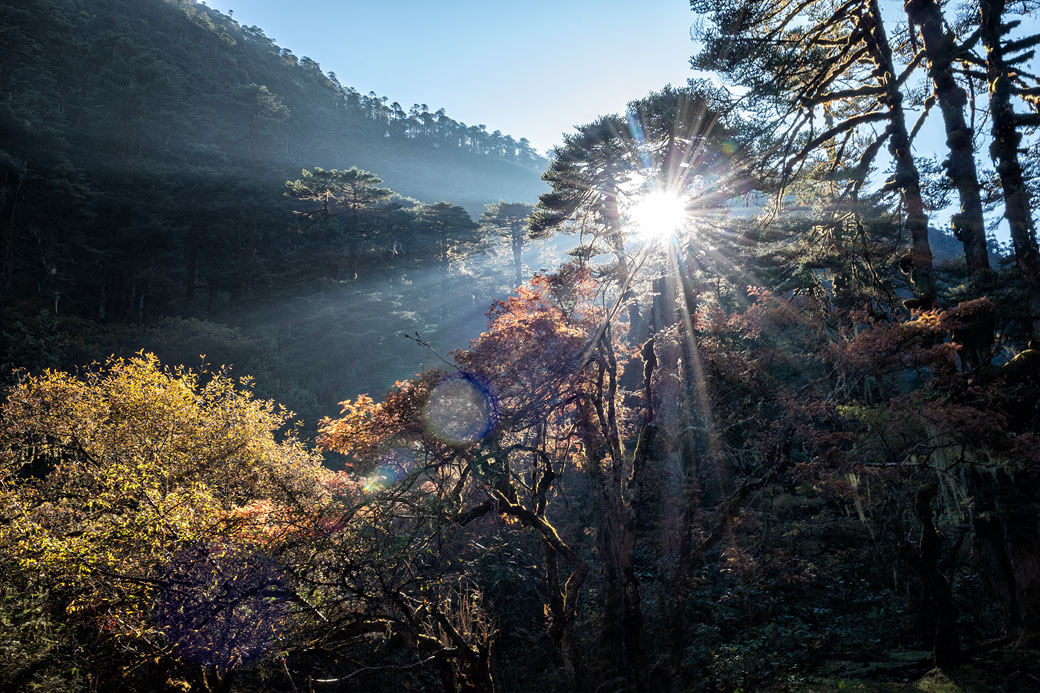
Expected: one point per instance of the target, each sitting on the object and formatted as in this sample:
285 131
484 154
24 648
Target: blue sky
531 69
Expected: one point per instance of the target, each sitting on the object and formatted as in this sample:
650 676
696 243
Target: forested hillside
144 153
727 411
144 134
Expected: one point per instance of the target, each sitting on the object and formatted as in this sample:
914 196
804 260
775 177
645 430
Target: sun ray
696 377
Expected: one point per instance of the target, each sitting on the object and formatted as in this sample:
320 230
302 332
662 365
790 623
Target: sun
657 215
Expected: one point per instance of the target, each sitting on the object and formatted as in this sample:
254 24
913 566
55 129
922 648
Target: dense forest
715 406
145 150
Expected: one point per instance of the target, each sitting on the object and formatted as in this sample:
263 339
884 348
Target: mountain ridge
160 79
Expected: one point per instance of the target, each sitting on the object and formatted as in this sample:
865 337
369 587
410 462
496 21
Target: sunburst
657 215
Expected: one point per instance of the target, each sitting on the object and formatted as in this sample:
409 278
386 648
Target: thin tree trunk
621 636
646 450
563 613
611 635
945 648
518 263
940 46
680 583
692 469
991 547
906 177
1004 152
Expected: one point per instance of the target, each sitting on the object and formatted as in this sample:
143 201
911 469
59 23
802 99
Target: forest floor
998 671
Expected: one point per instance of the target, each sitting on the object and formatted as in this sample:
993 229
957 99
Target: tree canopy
765 427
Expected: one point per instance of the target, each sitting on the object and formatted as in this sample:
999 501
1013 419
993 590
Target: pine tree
509 219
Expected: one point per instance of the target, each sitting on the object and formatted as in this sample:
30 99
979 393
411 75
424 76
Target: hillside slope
177 82
144 141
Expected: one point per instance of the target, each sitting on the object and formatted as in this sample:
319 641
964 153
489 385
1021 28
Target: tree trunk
518 262
563 613
680 583
945 648
1004 152
995 566
611 635
662 313
711 484
1023 536
906 176
621 636
940 45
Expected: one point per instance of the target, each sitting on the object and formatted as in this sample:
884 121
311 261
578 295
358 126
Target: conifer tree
509 219
803 58
1002 55
941 49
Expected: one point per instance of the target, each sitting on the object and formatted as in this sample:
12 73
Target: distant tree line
372 113
732 452
144 148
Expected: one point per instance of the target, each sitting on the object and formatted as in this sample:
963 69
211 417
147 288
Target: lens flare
657 215
222 604
461 409
394 465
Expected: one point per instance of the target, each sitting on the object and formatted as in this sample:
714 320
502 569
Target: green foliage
766 466
353 189
36 342
143 153
38 651
109 482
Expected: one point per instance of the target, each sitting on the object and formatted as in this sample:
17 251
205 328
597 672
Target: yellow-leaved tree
149 502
